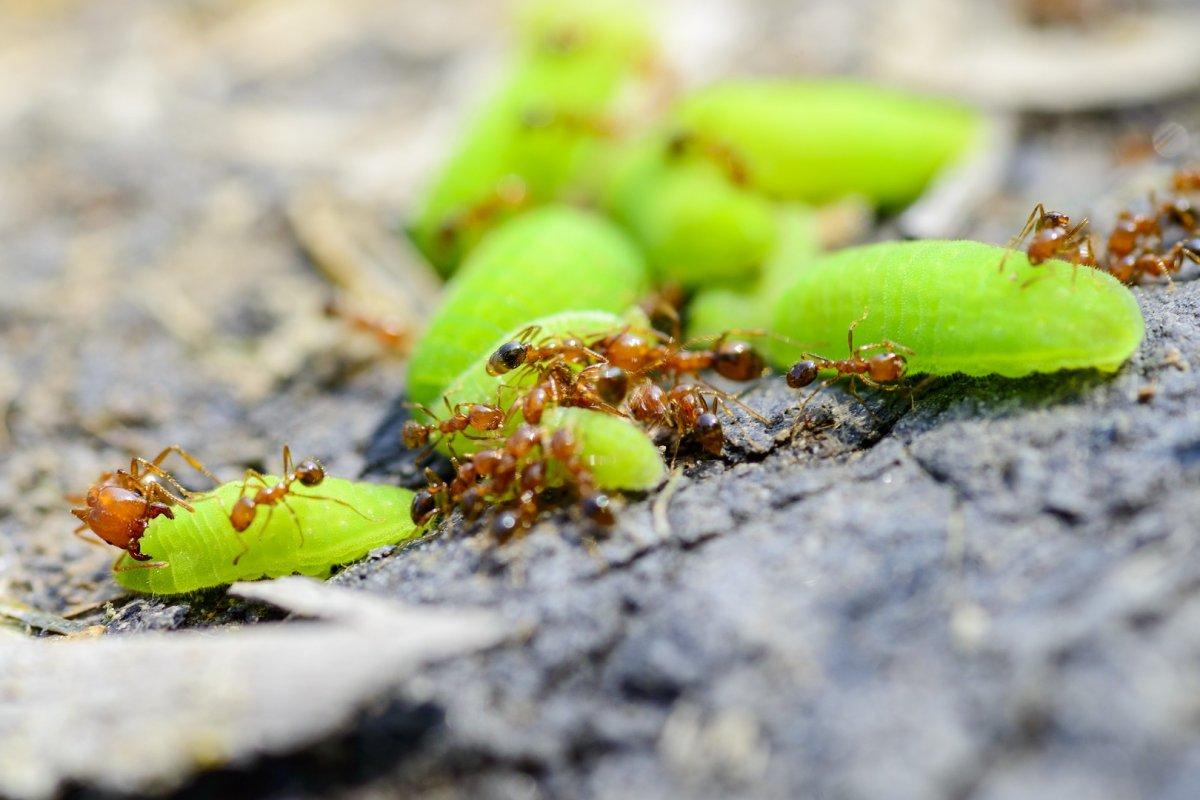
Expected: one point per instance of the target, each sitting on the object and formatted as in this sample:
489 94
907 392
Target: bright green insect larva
549 260
714 310
618 452
696 227
950 303
576 59
475 385
199 547
818 141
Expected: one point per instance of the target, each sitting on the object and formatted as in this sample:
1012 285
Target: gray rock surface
993 594
990 595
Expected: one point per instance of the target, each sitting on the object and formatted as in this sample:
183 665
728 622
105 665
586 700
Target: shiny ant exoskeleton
307 473
119 506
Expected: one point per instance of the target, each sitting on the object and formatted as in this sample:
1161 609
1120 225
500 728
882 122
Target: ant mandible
119 506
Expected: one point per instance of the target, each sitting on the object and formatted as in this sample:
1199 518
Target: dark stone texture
989 595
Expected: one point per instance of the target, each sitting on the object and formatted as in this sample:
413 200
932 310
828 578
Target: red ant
635 353
514 476
879 371
683 409
308 472
120 505
723 154
478 416
572 122
390 333
1054 237
510 194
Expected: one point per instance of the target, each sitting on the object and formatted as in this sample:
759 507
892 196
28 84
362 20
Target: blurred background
185 184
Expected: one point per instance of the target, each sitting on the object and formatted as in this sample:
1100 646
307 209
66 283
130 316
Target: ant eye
801 374
507 357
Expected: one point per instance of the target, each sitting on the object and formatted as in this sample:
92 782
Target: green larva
475 385
620 452
199 548
950 303
818 141
696 227
576 59
717 309
549 260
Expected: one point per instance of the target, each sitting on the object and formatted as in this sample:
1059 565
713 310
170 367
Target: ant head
598 508
507 357
802 374
562 444
612 384
1055 219
424 506
504 525
471 503
737 361
310 472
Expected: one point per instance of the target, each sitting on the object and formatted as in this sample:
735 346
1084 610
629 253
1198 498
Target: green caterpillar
549 260
538 131
199 548
817 141
950 303
620 452
695 226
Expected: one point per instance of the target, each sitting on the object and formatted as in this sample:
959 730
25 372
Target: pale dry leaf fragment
202 700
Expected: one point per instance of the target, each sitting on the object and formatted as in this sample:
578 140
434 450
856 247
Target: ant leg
162 473
1015 243
850 330
295 519
188 458
136 565
287 462
93 540
733 399
852 388
800 418
339 501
